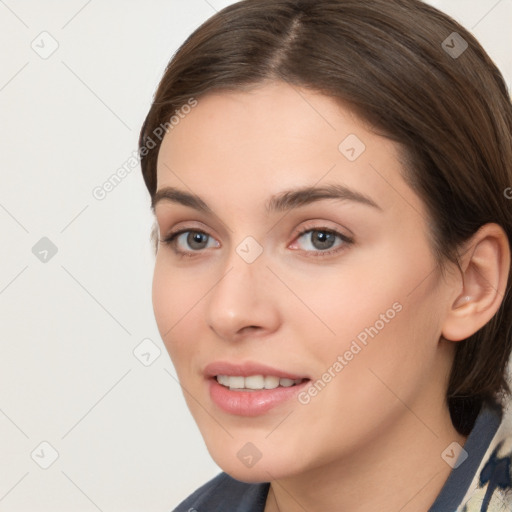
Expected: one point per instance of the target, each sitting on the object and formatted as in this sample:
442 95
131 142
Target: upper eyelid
185 227
175 215
318 227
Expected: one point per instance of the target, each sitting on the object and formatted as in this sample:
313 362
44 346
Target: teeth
236 382
271 382
223 379
255 382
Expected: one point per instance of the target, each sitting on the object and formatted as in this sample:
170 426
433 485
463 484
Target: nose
244 301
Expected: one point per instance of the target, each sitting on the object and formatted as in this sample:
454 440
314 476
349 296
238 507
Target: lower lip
251 403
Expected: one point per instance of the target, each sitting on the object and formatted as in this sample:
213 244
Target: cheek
164 297
380 313
173 299
351 299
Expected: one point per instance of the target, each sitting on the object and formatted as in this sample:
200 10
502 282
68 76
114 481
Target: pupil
196 238
325 239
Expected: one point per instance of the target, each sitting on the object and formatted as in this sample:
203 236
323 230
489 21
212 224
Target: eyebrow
283 201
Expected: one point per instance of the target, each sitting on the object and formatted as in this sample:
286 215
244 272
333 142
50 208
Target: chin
249 476
241 467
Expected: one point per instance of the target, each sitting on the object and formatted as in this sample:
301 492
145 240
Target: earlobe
485 269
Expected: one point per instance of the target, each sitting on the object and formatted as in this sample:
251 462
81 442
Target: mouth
251 389
256 382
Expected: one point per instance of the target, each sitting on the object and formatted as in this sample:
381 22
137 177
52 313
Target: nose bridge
240 297
245 266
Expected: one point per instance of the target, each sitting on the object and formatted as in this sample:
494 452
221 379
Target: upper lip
247 369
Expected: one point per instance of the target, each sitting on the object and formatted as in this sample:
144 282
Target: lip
247 369
250 403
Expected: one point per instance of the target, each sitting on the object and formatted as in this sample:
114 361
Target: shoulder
491 489
223 493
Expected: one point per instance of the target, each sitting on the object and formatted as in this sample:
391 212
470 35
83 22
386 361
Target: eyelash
170 240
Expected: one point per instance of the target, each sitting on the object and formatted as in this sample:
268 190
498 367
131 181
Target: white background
68 327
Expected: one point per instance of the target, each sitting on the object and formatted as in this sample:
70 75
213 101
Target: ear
485 265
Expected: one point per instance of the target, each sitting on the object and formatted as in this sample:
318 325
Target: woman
332 277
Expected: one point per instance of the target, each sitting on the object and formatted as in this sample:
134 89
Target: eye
194 239
320 241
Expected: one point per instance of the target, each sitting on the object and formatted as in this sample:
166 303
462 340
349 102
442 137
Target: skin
372 438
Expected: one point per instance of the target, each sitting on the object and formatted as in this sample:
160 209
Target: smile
250 388
255 382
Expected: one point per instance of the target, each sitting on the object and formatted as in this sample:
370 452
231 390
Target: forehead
276 136
267 116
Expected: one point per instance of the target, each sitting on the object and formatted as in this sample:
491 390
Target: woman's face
269 283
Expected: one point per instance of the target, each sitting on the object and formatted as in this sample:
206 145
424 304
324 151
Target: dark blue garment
225 494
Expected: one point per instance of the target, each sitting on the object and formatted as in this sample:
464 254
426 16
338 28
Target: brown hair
391 61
